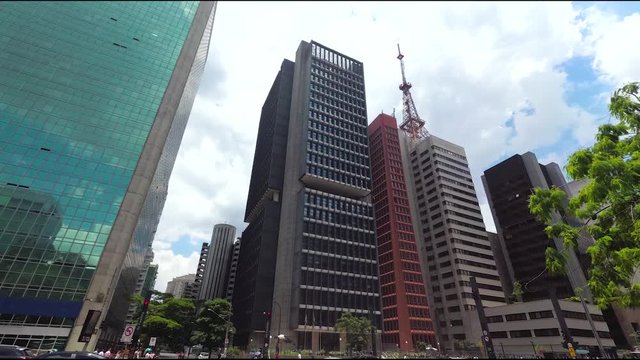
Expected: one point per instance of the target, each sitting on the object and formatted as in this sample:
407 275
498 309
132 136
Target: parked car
70 355
14 352
203 355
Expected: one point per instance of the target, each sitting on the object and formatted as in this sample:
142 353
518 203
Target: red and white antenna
412 125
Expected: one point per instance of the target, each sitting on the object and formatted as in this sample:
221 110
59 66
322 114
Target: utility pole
145 306
486 337
267 333
593 328
226 341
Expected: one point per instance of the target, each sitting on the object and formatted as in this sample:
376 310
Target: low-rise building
533 328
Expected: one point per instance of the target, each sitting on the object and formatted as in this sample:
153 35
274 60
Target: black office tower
327 253
523 241
257 260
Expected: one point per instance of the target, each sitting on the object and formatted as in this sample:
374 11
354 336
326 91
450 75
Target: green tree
169 319
358 329
517 292
212 323
609 203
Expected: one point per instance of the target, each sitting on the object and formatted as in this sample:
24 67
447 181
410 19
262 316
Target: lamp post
280 336
533 346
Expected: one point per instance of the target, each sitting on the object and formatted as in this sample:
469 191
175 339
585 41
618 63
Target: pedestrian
101 353
107 354
299 355
136 354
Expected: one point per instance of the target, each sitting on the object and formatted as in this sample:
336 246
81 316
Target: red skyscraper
406 316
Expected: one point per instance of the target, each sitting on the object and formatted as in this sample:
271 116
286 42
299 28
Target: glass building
94 98
327 254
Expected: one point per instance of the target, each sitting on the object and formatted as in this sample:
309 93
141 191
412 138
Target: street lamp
279 335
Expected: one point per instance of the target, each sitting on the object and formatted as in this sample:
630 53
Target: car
203 355
70 355
14 352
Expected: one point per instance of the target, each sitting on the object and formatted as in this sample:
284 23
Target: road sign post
127 334
152 341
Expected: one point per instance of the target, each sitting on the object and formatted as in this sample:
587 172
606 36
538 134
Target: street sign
152 341
127 334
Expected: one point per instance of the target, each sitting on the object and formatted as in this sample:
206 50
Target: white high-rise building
452 239
177 286
214 281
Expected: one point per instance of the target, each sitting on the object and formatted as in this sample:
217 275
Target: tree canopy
169 319
357 328
212 323
608 203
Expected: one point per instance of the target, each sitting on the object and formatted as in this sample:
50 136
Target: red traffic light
146 302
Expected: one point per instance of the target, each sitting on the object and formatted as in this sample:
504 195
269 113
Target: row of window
336 152
350 236
337 281
329 201
334 140
333 125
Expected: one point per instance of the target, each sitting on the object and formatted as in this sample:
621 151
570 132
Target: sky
498 78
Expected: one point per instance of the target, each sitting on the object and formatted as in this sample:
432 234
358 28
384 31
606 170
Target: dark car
14 352
70 355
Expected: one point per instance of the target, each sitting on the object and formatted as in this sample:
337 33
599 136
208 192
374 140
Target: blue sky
473 66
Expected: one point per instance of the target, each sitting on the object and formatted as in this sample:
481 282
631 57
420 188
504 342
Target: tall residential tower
258 252
453 240
405 310
214 280
327 254
94 101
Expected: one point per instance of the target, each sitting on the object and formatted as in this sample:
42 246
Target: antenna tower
412 125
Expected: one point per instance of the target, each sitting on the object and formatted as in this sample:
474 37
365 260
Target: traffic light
145 304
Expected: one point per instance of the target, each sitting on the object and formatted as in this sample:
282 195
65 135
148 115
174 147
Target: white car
203 355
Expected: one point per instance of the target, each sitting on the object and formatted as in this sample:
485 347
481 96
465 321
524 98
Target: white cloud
473 66
616 55
173 266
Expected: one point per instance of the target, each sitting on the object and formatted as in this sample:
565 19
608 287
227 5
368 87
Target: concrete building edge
110 264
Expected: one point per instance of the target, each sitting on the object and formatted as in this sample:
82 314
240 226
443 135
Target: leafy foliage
169 319
609 203
358 329
517 292
211 324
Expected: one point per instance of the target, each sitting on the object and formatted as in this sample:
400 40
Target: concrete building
521 237
257 258
453 242
405 310
87 118
217 265
533 328
326 250
140 284
150 279
233 269
178 285
192 290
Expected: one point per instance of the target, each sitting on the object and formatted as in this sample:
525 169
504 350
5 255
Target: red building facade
406 317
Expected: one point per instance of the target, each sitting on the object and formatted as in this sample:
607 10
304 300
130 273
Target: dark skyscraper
405 310
327 253
257 258
521 237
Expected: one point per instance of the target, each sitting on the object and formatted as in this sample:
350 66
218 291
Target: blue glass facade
81 84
